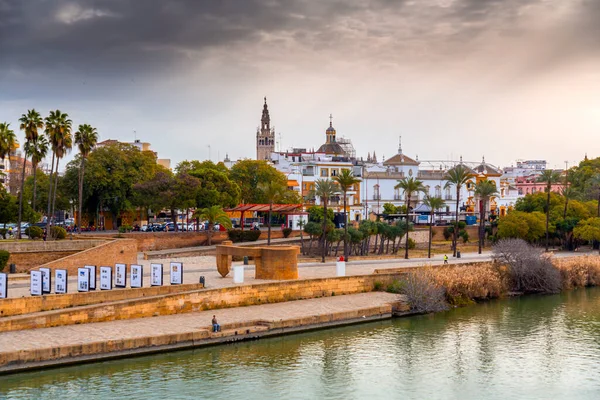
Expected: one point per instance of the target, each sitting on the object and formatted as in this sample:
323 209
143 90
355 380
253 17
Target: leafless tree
424 295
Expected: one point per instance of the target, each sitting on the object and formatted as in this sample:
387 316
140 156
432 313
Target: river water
535 347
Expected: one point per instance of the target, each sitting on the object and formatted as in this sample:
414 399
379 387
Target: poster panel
137 276
36 283
83 279
176 273
46 280
121 275
156 274
60 281
92 269
106 281
3 286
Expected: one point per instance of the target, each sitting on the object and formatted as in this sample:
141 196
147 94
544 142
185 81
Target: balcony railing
376 197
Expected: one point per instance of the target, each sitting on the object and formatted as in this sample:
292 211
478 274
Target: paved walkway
189 322
194 267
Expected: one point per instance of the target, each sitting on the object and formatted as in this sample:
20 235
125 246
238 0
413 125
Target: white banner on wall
60 281
92 269
3 286
83 279
36 283
156 274
176 273
46 280
106 281
137 276
121 275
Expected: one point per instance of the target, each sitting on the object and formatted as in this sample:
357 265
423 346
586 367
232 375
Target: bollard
245 260
340 267
13 268
457 253
238 274
202 281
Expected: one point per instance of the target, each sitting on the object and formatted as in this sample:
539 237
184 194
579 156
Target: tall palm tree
273 192
409 186
86 138
8 140
457 177
325 189
549 177
58 130
569 193
30 123
434 204
213 215
346 180
38 151
484 190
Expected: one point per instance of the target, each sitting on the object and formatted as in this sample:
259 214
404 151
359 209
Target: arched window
438 191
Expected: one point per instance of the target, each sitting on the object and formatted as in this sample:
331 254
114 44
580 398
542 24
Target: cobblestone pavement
189 322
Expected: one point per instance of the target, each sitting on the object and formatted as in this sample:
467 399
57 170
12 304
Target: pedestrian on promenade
445 259
215 324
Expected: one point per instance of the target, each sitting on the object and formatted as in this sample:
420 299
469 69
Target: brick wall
27 261
55 245
109 253
198 300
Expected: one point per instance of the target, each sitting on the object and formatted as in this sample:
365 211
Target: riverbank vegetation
517 268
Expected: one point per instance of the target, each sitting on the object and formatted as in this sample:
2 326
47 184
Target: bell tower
265 136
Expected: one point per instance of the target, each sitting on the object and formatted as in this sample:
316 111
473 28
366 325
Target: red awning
279 208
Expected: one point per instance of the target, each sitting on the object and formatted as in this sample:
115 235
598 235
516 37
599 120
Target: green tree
325 189
434 204
216 187
29 123
213 215
550 178
346 181
38 150
9 207
410 186
522 225
273 192
8 140
457 177
58 131
588 229
484 190
86 138
315 214
249 174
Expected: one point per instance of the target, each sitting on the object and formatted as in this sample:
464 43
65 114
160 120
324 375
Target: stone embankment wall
198 300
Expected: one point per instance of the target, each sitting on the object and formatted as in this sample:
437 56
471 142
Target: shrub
579 271
58 232
3 233
34 232
4 256
286 232
122 229
411 243
423 293
465 236
461 225
447 233
238 235
529 270
465 284
395 287
377 286
432 234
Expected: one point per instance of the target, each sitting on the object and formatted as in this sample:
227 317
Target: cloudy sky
508 79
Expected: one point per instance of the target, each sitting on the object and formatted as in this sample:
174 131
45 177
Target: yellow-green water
535 347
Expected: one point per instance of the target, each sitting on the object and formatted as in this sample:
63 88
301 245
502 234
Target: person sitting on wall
215 324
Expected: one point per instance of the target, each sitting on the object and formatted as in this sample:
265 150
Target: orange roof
280 208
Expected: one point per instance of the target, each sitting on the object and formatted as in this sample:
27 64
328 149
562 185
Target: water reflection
533 347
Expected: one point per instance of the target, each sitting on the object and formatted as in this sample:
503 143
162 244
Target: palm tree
457 177
594 182
434 204
30 123
38 151
58 130
409 186
549 177
8 140
273 192
86 138
569 193
325 189
213 215
484 190
346 180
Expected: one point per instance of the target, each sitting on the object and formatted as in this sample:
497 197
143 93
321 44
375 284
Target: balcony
376 197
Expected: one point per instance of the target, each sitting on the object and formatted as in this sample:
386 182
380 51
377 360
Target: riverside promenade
120 328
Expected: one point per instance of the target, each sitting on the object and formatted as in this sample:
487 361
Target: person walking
215 324
445 259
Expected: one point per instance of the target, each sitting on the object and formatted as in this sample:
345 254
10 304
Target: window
376 195
334 172
448 194
438 191
324 172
